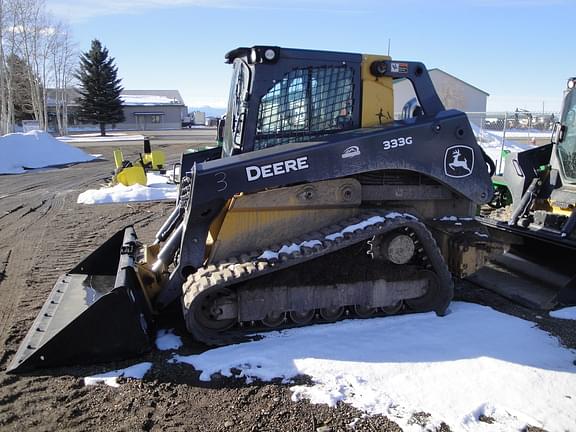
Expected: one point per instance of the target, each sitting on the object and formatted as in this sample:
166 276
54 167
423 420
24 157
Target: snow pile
157 189
473 363
492 145
36 149
166 340
136 371
96 137
566 313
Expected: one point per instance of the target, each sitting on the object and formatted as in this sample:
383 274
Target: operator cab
566 135
279 96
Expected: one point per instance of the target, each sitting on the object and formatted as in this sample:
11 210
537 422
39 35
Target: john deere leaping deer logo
459 161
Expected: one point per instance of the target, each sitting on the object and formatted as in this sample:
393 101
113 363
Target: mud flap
98 312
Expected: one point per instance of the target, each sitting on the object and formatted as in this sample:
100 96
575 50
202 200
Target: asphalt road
192 137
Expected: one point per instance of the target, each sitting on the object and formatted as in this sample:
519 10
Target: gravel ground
43 232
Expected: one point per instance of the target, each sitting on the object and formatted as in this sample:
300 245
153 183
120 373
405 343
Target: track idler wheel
392 309
331 314
302 317
274 319
365 311
210 309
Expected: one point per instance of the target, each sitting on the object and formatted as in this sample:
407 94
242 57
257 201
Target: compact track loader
540 224
318 206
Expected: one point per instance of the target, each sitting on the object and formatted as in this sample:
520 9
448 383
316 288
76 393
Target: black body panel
522 167
432 140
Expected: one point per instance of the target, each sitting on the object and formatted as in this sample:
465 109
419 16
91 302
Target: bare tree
30 34
6 104
8 49
3 111
30 22
64 58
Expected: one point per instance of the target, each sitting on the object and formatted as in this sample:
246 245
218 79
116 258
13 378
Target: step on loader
539 225
318 206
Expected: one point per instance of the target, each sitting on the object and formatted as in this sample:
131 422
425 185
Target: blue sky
518 51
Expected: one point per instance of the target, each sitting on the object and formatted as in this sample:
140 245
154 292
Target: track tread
248 266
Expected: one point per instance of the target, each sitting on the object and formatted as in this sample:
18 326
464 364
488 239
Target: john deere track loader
317 207
540 224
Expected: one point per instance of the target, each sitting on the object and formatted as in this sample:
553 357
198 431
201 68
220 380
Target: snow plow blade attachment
97 312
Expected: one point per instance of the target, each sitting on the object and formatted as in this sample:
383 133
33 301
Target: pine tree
20 88
100 88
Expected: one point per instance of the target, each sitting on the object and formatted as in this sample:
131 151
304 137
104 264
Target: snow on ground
523 133
166 340
157 189
474 361
136 371
492 145
36 149
95 137
454 219
566 313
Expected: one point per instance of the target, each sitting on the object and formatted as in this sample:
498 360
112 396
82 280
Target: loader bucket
97 312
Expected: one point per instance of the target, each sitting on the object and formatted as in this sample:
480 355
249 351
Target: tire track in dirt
12 210
36 208
26 239
45 232
3 264
80 230
42 233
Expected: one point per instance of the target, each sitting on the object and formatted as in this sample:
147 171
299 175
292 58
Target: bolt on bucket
97 312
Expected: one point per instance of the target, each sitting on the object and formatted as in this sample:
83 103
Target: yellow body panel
562 211
377 95
255 221
131 176
118 158
245 231
156 159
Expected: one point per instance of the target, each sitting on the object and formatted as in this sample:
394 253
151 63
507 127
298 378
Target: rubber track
248 266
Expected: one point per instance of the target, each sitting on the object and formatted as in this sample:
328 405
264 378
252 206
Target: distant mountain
210 111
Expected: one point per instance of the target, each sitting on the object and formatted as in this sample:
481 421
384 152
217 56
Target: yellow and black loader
318 206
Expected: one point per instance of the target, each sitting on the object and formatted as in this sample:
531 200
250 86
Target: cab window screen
567 148
306 103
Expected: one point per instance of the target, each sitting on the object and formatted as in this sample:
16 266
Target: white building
454 93
143 110
199 118
152 109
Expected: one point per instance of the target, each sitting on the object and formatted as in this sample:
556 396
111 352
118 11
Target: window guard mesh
305 104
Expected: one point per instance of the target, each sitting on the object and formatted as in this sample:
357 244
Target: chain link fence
502 132
522 126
